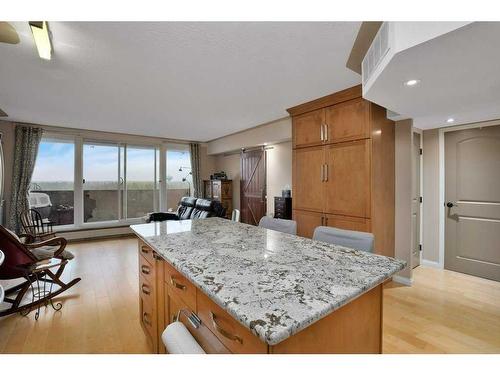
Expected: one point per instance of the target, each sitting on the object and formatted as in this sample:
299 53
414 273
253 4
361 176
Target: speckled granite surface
276 284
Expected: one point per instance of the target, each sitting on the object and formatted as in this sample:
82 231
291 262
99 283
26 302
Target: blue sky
55 162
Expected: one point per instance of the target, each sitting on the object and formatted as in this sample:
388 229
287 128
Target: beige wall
277 135
8 139
271 133
207 162
403 243
279 172
231 165
430 210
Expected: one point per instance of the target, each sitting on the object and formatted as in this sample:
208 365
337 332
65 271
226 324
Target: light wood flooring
443 312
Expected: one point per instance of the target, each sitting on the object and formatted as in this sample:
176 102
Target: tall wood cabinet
220 190
343 167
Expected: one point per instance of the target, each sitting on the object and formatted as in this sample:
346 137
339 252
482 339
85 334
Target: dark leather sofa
191 208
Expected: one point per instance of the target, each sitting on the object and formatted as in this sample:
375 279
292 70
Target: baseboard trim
402 280
430 263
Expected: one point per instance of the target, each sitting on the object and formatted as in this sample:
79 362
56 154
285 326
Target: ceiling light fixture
41 34
450 120
412 82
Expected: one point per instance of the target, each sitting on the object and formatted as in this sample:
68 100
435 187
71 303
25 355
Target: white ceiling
193 81
459 77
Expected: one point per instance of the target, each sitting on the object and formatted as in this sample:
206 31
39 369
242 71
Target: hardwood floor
443 312
100 314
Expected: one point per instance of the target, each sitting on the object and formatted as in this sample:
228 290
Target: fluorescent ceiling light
450 120
41 35
412 82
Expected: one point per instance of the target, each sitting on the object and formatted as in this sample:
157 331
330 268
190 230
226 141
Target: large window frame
160 183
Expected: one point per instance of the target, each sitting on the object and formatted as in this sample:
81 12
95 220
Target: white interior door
472 199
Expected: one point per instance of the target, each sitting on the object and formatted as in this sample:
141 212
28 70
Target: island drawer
236 337
146 290
149 321
146 252
205 338
179 286
147 270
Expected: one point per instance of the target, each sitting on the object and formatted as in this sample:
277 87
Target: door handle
450 204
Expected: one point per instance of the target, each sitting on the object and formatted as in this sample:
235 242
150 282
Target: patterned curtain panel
194 149
27 141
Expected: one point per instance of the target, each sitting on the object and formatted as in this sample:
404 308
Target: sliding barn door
253 186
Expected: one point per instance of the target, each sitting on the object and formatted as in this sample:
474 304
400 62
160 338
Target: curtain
26 149
194 150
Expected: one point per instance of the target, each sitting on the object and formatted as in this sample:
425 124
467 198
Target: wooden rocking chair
37 263
39 229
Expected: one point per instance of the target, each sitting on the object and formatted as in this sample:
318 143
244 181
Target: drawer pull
145 318
145 289
176 284
145 249
222 331
145 269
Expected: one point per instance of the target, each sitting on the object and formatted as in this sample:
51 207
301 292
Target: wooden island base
354 328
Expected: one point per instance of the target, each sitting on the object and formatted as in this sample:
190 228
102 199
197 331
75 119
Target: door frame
420 132
442 221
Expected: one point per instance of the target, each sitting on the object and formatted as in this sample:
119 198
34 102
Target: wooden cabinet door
308 187
207 189
348 121
347 186
359 224
306 222
307 128
216 190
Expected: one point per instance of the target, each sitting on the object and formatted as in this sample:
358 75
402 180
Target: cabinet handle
176 284
222 331
145 318
325 132
326 221
326 172
145 270
321 133
145 289
322 173
322 220
145 249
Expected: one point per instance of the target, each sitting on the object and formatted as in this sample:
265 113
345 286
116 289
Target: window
141 181
100 182
179 176
52 183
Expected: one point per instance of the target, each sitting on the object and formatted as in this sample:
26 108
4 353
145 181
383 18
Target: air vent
377 51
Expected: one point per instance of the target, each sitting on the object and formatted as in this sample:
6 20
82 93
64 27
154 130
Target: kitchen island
259 291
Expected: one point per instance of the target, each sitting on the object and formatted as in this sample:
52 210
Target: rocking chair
38 228
38 263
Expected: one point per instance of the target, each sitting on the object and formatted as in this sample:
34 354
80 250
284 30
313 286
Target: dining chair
235 216
280 225
347 238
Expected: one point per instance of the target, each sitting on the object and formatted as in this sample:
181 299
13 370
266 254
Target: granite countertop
276 284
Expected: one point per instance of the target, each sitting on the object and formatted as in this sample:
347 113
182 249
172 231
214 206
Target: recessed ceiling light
450 120
412 82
